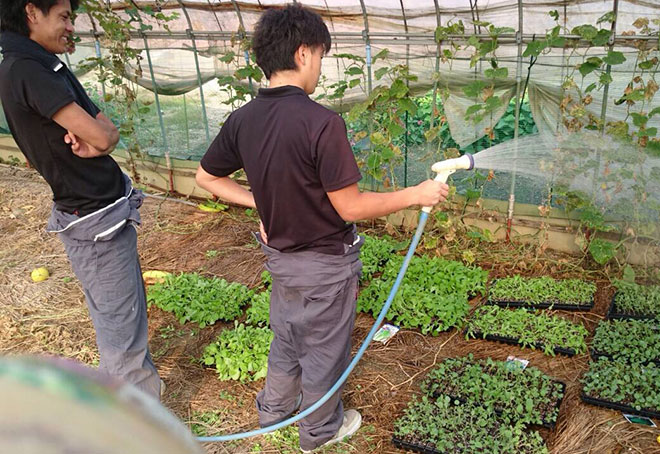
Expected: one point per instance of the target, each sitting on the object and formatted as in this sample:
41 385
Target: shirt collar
16 45
285 90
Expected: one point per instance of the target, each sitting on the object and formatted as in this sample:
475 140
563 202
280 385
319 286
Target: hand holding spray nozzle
449 166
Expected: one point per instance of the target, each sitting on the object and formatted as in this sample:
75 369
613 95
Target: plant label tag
513 362
643 420
385 333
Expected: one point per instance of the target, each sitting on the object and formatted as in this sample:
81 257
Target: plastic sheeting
404 27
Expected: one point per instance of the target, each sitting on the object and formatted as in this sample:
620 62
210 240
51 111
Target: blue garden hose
402 272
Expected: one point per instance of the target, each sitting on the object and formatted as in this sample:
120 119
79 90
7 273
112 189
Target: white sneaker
351 424
163 387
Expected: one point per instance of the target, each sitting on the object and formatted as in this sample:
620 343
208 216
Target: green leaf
380 72
590 88
602 37
586 31
607 17
499 73
474 89
473 109
605 78
534 48
228 57
587 68
398 89
639 119
648 64
407 105
614 57
648 132
601 250
354 83
377 138
554 14
354 71
384 53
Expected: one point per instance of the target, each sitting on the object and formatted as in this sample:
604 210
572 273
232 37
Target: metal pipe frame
199 73
380 37
516 126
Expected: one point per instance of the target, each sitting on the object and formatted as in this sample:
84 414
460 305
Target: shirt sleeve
222 158
40 89
335 162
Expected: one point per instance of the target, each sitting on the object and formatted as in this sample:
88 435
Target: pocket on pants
324 305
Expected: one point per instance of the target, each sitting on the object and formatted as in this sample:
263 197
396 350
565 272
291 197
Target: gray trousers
312 343
110 274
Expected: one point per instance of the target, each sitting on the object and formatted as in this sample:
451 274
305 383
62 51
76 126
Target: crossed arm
89 137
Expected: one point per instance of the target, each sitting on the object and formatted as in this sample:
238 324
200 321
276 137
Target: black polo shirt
293 151
34 85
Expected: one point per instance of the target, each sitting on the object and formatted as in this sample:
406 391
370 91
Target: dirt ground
51 317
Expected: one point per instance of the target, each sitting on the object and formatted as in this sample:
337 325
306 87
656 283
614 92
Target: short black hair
13 17
281 31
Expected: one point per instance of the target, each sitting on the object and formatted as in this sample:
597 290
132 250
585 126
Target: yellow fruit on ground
39 274
154 276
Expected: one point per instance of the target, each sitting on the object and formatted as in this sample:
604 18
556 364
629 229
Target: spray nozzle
465 162
445 168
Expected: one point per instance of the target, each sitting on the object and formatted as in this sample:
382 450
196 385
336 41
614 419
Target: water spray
443 169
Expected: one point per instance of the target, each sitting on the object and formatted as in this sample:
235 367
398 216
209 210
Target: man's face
53 31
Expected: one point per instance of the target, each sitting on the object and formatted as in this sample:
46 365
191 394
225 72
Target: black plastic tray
614 314
513 341
546 424
620 407
596 355
402 444
544 305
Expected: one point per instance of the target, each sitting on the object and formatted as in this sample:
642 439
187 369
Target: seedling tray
547 424
543 305
596 355
614 314
408 446
514 341
620 407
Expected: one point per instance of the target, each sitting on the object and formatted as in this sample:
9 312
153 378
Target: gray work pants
110 274
312 343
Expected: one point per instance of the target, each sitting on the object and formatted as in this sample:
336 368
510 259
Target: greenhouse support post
606 90
438 50
191 36
405 141
367 52
168 162
516 124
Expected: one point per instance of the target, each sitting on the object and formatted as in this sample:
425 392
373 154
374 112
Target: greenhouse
527 320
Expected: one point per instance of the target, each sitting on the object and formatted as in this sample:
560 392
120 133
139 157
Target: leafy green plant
375 253
542 290
635 299
259 311
525 395
528 329
433 295
441 427
628 340
240 353
191 297
632 384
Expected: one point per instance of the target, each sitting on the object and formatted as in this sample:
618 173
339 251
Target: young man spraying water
303 177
